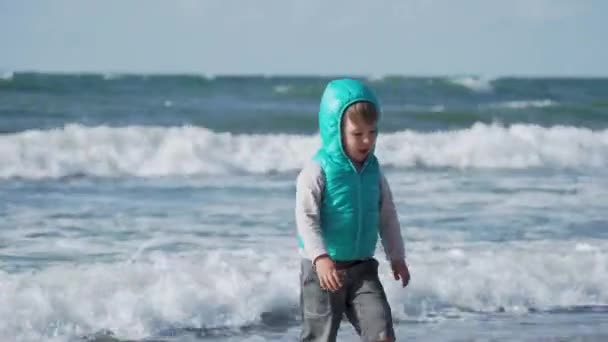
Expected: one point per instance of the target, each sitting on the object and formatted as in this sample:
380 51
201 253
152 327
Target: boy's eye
357 134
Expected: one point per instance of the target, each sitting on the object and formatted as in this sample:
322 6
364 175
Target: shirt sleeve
309 190
390 229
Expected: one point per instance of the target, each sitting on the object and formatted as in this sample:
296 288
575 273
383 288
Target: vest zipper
360 218
358 249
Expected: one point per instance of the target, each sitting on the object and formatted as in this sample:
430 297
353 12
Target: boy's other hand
400 271
328 275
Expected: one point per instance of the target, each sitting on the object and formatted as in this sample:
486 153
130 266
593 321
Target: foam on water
524 104
495 146
155 151
139 298
231 289
7 75
476 84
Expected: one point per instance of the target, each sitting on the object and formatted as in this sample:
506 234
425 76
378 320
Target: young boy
343 202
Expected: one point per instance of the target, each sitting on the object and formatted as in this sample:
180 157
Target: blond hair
362 111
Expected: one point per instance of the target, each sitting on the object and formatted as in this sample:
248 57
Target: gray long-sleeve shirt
309 192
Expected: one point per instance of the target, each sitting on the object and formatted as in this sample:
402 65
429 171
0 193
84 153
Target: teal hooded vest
350 207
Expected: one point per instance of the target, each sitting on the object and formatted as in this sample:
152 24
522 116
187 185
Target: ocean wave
475 84
7 75
223 291
524 104
187 150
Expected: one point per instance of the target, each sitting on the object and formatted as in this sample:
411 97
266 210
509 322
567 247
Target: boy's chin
359 159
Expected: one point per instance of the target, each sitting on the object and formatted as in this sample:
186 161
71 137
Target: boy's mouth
364 151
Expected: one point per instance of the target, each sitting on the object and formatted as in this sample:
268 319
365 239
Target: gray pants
361 299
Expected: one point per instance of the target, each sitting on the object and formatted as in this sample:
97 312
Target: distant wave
187 150
524 104
7 75
476 84
112 76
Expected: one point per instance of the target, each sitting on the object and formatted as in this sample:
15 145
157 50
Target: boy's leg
321 309
368 309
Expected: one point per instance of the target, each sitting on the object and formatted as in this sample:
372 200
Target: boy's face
358 139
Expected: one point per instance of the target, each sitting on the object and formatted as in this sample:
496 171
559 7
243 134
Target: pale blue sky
409 37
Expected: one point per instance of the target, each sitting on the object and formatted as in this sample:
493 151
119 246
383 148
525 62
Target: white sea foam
282 89
524 104
476 84
112 76
7 75
230 289
176 151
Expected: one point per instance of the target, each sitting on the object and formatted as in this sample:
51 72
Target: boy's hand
328 275
400 271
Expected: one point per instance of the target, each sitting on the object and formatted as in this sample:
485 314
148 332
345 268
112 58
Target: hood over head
338 95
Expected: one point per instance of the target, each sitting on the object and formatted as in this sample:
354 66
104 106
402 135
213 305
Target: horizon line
372 76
